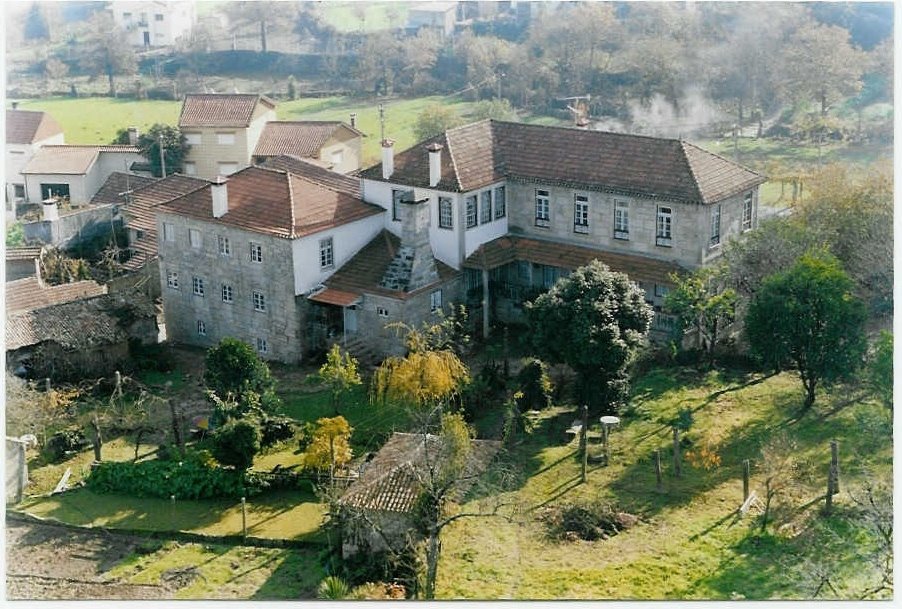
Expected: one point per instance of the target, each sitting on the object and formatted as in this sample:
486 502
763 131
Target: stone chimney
50 210
220 194
353 120
413 267
388 158
133 136
435 163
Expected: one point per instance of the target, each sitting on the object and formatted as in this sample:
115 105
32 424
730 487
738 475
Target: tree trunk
823 104
176 433
768 495
433 550
810 386
138 435
98 440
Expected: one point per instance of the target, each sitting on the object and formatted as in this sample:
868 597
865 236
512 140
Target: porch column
485 302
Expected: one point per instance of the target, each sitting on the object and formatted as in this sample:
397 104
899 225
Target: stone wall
74 228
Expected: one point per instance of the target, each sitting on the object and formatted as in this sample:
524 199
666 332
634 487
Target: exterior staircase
367 359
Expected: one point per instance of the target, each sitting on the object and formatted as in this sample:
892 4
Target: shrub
534 385
155 357
236 443
64 442
333 588
588 521
305 435
276 429
195 477
233 367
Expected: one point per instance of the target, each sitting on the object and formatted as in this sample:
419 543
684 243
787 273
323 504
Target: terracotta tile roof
29 293
276 202
335 297
298 138
363 272
507 249
74 325
391 481
220 109
28 126
112 191
487 151
23 253
315 173
69 159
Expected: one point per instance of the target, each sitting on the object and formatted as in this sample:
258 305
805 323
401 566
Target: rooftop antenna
162 156
381 123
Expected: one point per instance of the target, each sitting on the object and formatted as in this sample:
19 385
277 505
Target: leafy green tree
106 50
703 304
433 120
534 385
339 374
233 367
263 13
593 320
15 235
236 443
175 147
880 369
809 318
54 71
497 109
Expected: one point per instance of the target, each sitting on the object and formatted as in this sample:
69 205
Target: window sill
446 227
714 246
581 229
543 223
622 235
664 241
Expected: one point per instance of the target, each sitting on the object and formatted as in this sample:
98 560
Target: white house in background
439 16
223 130
26 132
333 144
156 23
74 173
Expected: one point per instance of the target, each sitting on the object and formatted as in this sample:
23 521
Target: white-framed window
326 254
664 223
192 139
621 220
168 232
228 294
471 211
190 168
485 207
197 286
19 191
382 311
172 280
337 157
158 17
195 238
715 225
225 246
225 139
262 346
747 203
581 214
435 301
500 203
256 252
201 328
259 301
661 290
445 213
543 208
227 168
550 275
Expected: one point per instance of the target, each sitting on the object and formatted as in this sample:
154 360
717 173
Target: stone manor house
289 256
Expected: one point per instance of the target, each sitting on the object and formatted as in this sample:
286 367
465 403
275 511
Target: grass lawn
228 572
277 515
346 17
689 545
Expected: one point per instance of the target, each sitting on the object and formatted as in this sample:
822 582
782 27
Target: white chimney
435 163
133 136
353 120
220 197
388 158
51 212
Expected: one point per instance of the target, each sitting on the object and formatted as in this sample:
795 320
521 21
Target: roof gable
28 126
488 151
70 159
297 138
31 293
221 109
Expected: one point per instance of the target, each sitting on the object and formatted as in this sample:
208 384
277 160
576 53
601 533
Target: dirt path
46 561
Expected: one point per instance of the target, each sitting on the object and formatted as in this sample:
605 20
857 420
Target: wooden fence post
828 507
658 474
584 440
834 464
47 384
677 465
244 519
172 511
746 474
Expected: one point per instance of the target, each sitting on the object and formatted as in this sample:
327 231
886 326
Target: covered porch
332 318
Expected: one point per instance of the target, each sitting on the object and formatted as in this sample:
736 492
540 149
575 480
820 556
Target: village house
437 16
334 144
517 206
22 262
26 132
239 256
154 23
222 131
377 509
